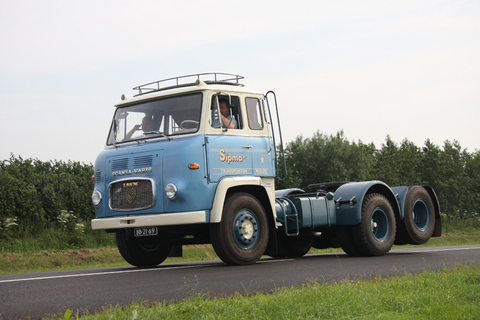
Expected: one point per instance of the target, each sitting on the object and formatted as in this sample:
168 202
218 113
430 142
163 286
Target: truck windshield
156 118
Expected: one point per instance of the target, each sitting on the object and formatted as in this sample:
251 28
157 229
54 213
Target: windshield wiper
155 132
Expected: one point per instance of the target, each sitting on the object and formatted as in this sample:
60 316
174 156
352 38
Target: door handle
249 146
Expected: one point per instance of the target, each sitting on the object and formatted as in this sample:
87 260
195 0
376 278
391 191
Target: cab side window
254 113
231 112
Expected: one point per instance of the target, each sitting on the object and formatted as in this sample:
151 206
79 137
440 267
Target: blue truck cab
192 160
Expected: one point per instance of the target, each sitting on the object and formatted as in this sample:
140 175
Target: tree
326 158
472 169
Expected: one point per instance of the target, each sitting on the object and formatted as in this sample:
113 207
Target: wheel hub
245 229
379 225
420 215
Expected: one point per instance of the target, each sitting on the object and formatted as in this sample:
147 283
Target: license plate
145 232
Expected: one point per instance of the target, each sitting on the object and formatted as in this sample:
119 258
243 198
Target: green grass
446 294
460 224
24 239
86 258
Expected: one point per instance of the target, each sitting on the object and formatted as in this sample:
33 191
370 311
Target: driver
227 120
148 125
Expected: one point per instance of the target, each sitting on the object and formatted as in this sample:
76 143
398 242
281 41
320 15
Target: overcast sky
408 69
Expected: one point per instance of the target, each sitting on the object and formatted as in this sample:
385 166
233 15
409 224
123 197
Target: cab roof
189 83
190 80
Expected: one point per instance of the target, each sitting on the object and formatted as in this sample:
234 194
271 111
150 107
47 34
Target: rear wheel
328 239
242 235
292 247
346 241
375 233
419 222
141 251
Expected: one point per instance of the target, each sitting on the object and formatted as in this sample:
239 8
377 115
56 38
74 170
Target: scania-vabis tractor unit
193 160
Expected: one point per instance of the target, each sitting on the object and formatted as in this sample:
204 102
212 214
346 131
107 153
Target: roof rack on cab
190 80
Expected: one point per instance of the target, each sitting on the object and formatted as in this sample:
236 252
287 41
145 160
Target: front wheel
141 251
375 234
242 236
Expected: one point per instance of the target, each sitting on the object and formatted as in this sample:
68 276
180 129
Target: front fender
230 182
350 196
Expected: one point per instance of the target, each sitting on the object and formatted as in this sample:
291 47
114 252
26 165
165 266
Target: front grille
129 195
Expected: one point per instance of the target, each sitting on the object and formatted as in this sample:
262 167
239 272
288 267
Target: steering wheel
188 121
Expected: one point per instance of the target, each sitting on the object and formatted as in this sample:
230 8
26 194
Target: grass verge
446 294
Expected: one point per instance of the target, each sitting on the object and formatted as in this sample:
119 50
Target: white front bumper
164 219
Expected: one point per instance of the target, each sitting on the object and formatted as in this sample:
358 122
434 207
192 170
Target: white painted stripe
119 272
274 260
439 250
413 250
96 274
197 266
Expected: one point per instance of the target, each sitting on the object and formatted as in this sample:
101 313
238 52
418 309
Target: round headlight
171 191
96 198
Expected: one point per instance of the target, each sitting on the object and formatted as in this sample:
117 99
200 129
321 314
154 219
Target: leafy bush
34 193
453 172
51 200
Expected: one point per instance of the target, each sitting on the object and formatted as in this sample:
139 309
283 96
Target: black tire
142 251
242 236
347 242
292 247
328 239
418 223
375 234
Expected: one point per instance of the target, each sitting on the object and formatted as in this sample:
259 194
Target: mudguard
438 222
228 183
349 199
401 194
287 192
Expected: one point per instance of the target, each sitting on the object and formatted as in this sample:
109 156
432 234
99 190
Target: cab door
228 155
263 157
229 151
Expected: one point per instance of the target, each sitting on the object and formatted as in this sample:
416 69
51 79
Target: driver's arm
131 132
227 123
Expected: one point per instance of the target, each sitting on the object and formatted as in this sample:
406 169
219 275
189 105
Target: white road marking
114 272
274 260
437 250
96 274
197 266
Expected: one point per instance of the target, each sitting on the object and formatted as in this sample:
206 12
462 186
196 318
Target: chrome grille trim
125 197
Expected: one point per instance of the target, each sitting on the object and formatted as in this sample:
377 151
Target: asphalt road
40 294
